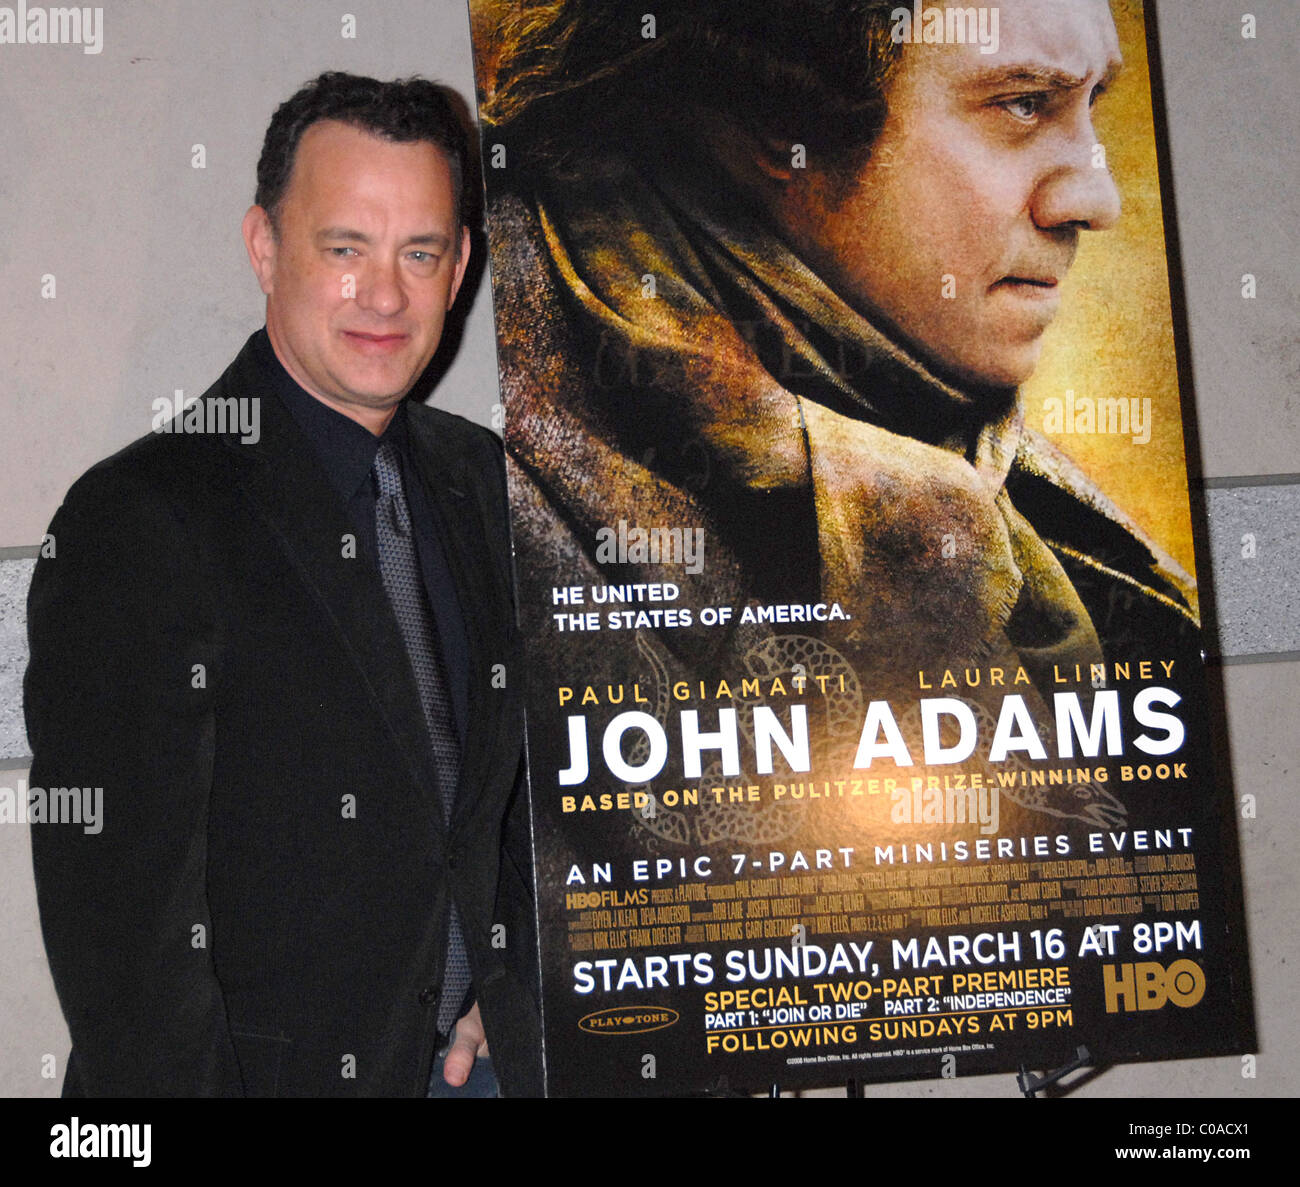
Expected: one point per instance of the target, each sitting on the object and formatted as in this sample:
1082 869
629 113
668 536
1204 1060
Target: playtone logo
21 25
628 1020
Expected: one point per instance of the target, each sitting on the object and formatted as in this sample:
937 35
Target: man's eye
1024 107
422 257
342 253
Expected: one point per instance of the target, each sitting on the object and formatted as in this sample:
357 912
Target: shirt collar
812 324
346 449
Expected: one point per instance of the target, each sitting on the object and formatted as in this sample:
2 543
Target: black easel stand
1031 1086
1028 1084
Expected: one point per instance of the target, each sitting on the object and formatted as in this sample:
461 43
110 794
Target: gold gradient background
1114 336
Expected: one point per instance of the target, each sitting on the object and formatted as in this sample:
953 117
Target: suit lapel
451 487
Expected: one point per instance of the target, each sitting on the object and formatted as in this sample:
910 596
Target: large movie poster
868 728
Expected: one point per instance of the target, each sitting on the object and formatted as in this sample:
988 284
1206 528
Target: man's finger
460 1059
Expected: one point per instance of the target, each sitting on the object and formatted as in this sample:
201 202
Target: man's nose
381 289
1079 192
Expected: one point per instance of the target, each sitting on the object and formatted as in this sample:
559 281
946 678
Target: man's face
359 279
986 170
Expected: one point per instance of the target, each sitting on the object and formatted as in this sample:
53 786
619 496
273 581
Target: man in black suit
286 655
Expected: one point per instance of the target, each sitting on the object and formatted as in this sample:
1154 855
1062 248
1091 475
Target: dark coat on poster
265 909
816 460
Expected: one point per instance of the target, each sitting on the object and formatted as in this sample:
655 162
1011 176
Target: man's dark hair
577 72
406 110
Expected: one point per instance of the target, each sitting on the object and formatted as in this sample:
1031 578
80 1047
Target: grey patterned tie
400 570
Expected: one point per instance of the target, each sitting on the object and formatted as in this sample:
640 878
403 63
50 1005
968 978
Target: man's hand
468 1044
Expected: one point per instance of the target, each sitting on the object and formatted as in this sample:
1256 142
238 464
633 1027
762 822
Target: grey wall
153 293
153 289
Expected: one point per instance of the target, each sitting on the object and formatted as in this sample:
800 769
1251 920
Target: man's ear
259 239
754 161
775 159
461 261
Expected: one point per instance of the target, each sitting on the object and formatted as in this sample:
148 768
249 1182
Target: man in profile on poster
777 272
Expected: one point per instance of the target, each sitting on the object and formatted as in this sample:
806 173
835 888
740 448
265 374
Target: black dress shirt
347 452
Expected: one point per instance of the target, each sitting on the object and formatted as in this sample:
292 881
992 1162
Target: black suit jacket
265 909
